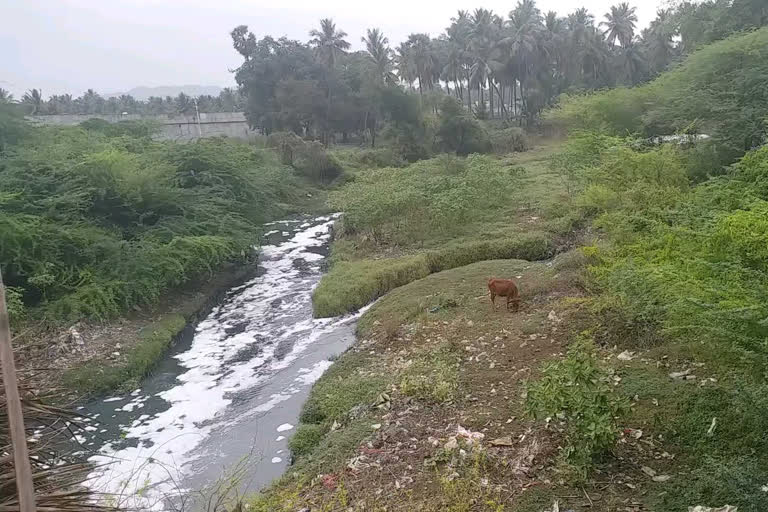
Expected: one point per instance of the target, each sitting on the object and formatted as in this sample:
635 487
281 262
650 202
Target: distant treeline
500 67
229 100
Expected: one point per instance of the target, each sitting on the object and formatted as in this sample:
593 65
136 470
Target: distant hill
142 93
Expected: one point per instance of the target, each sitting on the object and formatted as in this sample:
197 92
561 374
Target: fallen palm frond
56 474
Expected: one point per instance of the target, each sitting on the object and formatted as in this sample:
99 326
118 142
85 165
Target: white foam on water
310 375
160 445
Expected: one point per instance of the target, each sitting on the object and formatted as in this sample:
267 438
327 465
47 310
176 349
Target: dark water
229 395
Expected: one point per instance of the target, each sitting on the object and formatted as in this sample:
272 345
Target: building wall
172 126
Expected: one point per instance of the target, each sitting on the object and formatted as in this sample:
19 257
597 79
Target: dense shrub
508 140
309 159
458 131
442 194
93 224
579 392
378 158
718 90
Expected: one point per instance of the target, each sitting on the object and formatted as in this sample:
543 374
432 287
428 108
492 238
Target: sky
68 46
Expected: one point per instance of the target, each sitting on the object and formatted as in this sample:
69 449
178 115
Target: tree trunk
469 94
490 98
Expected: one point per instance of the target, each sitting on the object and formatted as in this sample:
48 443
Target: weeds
578 392
433 377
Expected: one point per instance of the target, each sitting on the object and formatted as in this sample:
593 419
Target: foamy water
236 390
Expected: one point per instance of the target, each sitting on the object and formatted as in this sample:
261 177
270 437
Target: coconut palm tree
380 53
423 59
33 98
620 24
328 42
5 96
525 43
329 45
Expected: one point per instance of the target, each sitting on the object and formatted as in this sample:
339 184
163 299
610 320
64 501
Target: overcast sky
113 45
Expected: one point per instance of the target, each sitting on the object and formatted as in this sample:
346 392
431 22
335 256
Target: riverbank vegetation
661 306
94 225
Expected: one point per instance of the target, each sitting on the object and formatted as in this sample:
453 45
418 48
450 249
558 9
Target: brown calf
504 288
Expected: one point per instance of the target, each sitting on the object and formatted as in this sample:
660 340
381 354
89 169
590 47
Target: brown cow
504 288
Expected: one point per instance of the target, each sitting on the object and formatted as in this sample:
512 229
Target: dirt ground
477 450
45 357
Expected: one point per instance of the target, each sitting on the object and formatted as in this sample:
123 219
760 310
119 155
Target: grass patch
724 466
154 340
434 376
351 285
344 393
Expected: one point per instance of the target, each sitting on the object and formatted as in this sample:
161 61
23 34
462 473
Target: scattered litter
552 317
336 425
276 460
764 488
680 375
376 426
284 427
626 356
661 478
701 508
502 441
712 427
470 323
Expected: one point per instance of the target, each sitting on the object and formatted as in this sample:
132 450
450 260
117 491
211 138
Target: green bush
93 224
442 194
378 158
717 90
578 391
458 131
509 140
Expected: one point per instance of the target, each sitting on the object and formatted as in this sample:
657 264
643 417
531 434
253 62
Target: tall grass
93 223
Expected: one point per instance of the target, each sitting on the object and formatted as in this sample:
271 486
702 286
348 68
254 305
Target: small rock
648 471
661 478
376 426
552 317
503 441
470 323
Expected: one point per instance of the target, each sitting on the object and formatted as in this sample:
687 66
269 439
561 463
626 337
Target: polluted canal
227 398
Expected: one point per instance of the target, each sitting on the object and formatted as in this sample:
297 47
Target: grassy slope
363 271
433 356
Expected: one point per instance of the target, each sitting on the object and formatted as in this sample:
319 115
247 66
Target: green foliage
351 285
578 391
717 91
14 302
442 194
129 128
508 140
694 267
378 158
306 438
334 398
458 131
433 377
93 224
